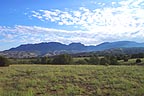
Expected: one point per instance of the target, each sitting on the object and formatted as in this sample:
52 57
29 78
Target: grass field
130 62
71 80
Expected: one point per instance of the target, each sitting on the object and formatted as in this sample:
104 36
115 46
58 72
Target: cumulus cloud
121 19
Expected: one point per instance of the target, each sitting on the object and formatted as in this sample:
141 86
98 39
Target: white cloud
124 18
113 3
35 34
123 21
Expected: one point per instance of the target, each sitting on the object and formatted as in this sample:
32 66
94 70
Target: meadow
71 80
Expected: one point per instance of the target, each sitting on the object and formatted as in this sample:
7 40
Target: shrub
4 61
45 60
138 61
81 62
94 60
125 59
42 60
113 60
104 61
63 59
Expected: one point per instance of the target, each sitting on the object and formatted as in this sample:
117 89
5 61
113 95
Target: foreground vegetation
71 80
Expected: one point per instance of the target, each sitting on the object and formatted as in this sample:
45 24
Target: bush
4 61
81 62
125 59
104 61
113 60
138 61
63 59
45 60
42 60
94 60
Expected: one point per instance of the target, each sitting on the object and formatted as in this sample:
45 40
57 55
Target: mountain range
56 48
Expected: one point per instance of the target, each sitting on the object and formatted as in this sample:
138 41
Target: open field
71 80
130 62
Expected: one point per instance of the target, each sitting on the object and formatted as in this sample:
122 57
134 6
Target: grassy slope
71 80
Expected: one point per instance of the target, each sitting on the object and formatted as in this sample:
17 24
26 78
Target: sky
89 22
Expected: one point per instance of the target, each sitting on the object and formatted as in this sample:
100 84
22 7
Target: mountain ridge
112 44
56 48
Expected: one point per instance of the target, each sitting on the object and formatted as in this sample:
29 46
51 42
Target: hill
56 48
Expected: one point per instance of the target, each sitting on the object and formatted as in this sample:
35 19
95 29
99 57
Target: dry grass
71 80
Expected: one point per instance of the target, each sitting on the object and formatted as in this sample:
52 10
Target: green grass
71 80
130 62
80 58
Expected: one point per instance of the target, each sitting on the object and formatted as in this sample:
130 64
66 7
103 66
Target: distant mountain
40 48
119 44
55 48
114 51
43 48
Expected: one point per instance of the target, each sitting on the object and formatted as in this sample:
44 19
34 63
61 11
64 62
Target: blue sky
90 22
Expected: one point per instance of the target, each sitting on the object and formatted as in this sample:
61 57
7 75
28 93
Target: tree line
66 59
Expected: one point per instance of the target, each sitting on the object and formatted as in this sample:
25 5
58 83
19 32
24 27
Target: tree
81 62
125 58
45 60
42 60
63 59
94 60
139 55
113 60
37 61
104 61
4 61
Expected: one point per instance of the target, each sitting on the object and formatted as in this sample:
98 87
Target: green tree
94 60
4 61
63 59
42 60
113 60
37 61
45 60
81 62
126 58
104 61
